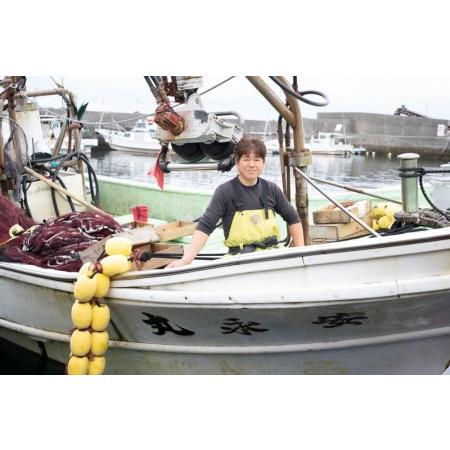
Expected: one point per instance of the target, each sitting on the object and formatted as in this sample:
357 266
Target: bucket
140 213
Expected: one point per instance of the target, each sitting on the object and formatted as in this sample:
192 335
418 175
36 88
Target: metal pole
64 191
350 188
42 93
282 157
409 182
304 159
337 204
60 139
12 115
178 167
273 99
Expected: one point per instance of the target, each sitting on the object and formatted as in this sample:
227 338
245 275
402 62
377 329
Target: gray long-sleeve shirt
222 206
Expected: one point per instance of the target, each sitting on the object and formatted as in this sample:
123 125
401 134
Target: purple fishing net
55 244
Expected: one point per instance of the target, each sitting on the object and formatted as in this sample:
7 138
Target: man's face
250 167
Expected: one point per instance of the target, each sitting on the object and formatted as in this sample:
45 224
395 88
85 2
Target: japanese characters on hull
233 325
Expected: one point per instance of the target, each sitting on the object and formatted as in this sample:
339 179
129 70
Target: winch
193 133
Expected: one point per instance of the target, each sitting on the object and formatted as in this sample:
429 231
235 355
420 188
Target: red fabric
57 244
157 172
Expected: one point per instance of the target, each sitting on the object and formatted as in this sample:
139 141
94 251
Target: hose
300 95
446 215
93 180
25 197
420 172
55 177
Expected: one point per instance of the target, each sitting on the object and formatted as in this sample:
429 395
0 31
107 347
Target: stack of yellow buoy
89 340
383 215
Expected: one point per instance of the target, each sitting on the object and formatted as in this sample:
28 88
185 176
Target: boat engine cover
201 127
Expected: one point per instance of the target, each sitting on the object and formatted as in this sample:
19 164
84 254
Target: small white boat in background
323 144
141 139
331 144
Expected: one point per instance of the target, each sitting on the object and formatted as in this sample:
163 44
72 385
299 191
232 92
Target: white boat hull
374 306
329 151
132 142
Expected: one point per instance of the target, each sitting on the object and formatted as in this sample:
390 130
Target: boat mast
299 155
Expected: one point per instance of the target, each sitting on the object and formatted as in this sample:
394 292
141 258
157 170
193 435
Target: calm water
363 172
359 171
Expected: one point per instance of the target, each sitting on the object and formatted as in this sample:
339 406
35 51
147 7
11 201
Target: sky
427 95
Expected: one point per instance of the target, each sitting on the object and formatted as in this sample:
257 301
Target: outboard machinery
193 133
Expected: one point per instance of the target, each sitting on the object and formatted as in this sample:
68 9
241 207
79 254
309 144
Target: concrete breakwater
384 133
380 133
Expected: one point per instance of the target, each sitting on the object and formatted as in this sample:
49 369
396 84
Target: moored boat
365 306
369 305
141 139
331 144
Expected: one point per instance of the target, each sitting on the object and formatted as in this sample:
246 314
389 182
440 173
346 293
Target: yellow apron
253 230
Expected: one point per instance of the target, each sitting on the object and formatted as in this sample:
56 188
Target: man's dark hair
246 145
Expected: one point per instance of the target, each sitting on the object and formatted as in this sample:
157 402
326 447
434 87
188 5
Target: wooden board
173 230
332 214
138 236
141 235
339 231
156 263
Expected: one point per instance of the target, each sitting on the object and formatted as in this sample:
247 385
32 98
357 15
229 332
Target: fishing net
10 214
15 150
55 244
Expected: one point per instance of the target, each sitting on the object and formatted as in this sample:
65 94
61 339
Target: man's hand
177 263
197 243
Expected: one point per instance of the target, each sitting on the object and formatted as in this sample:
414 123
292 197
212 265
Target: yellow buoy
377 212
100 317
118 246
80 342
86 269
114 265
103 283
99 342
97 365
384 222
15 230
375 225
392 208
81 315
78 366
84 288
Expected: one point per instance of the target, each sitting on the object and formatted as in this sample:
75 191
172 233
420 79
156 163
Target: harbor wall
384 133
380 133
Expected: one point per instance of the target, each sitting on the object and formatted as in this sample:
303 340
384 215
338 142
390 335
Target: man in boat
247 205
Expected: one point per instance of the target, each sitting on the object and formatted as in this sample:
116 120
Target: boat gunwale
389 290
443 234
